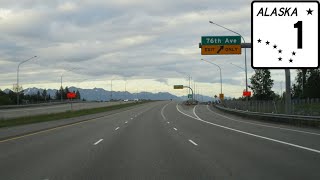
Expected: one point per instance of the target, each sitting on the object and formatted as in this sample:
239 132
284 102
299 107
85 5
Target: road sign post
221 96
71 95
181 87
246 93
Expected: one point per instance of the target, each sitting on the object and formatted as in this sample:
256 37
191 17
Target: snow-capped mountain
99 94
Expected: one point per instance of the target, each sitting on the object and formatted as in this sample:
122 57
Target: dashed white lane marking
257 124
126 122
175 129
98 142
168 122
117 128
63 126
163 110
254 135
131 118
193 142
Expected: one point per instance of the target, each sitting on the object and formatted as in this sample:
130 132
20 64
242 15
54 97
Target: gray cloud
118 38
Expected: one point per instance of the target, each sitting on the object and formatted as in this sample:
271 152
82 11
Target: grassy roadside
62 115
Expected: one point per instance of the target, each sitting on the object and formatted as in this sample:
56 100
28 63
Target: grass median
62 115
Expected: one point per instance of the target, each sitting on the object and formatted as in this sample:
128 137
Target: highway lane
31 111
308 137
62 153
244 156
157 141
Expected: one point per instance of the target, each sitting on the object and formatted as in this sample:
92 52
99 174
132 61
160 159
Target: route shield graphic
285 34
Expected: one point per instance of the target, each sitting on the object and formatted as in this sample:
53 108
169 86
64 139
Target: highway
164 140
31 111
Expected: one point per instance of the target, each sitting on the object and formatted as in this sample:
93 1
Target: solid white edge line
194 111
98 142
193 142
175 129
117 128
163 110
254 135
184 113
257 124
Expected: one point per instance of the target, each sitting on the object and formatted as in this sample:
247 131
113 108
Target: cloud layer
151 43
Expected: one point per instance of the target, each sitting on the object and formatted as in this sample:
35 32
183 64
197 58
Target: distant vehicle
136 100
126 100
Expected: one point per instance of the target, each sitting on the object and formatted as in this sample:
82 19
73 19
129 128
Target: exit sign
221 40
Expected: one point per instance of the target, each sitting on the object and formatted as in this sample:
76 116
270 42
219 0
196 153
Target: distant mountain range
99 94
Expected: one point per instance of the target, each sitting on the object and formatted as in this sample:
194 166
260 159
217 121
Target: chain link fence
308 107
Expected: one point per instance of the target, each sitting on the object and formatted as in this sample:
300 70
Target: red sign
246 93
71 95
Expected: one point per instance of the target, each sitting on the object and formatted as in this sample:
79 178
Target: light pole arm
190 89
229 30
18 76
220 73
238 66
245 50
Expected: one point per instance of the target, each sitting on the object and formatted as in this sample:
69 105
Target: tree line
62 93
10 98
306 85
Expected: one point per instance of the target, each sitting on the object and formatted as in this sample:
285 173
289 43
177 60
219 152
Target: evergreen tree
38 96
58 94
78 96
66 91
262 84
307 84
44 94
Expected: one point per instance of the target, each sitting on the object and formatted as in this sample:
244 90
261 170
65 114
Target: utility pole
194 87
189 84
111 91
288 91
281 94
125 90
18 89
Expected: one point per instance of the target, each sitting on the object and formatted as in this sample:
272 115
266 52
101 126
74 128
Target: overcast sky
150 44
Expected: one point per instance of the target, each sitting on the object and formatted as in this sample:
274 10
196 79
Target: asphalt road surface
31 111
163 140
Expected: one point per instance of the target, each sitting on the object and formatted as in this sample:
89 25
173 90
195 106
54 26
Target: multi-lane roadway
164 140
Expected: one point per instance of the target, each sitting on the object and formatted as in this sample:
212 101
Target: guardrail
292 119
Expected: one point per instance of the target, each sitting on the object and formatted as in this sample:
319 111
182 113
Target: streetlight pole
111 90
238 66
220 73
18 93
125 89
245 52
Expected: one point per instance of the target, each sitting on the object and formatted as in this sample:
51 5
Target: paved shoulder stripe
251 134
257 124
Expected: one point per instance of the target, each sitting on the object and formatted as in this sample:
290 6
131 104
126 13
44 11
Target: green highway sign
178 87
221 40
189 96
